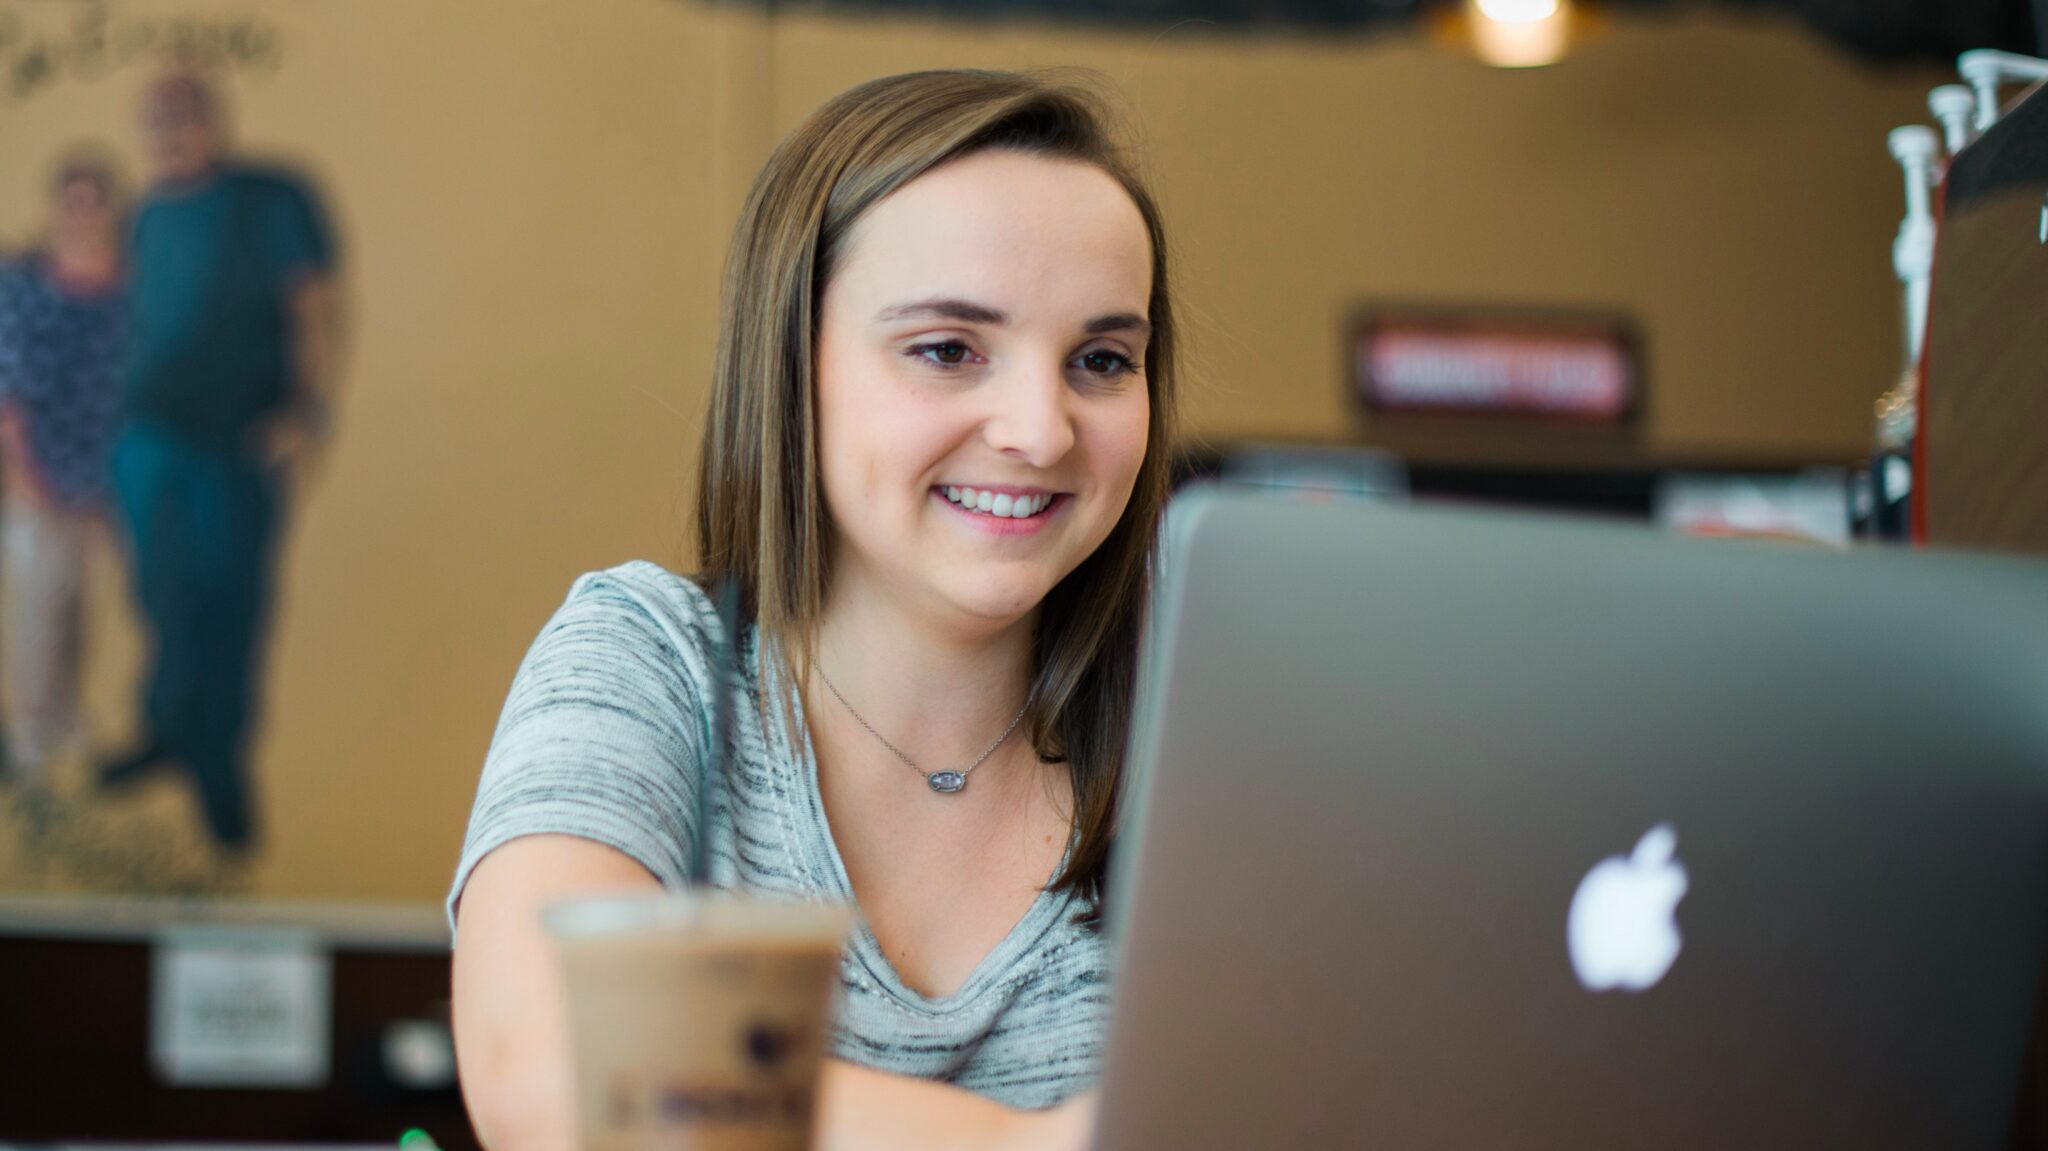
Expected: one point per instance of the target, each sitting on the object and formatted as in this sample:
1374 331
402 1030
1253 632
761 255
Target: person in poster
227 397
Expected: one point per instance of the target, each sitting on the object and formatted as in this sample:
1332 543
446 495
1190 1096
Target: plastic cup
698 1020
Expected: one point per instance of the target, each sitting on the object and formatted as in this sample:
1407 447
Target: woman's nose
1031 419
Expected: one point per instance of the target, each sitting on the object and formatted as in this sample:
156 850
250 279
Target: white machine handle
1955 106
1916 148
1985 69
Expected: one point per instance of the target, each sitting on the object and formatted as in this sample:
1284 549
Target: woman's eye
945 353
1103 362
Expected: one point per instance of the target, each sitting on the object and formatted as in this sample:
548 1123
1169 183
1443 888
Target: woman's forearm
861 1109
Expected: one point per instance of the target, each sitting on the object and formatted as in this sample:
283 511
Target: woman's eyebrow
1119 322
945 308
969 312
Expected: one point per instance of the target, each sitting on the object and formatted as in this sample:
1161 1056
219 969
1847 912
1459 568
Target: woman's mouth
1000 505
1015 512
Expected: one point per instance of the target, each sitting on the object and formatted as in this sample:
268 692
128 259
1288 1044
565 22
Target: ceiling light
1517 11
1516 33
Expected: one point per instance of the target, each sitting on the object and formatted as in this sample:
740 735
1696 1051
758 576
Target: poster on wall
168 342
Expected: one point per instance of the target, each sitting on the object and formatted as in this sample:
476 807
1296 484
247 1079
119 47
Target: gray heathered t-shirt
601 737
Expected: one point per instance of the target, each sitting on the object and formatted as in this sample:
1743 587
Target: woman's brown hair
761 516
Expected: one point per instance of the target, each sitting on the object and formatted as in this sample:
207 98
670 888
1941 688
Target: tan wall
534 194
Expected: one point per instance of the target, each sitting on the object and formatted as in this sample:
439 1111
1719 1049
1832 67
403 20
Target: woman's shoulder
639 607
655 588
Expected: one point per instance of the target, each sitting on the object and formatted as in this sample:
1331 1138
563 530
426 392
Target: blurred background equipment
1811 506
1316 473
1957 458
1985 394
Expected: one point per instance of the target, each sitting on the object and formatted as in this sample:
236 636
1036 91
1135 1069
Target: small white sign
239 1008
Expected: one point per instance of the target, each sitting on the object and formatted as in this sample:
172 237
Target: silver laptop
1462 830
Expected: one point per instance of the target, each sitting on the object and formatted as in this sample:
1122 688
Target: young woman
935 459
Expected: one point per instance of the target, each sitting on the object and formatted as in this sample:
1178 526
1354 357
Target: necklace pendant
946 782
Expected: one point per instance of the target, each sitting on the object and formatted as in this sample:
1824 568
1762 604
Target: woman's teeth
998 504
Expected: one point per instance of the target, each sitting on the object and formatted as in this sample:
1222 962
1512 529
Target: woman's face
981 391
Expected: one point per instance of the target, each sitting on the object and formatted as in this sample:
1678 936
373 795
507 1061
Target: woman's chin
996 604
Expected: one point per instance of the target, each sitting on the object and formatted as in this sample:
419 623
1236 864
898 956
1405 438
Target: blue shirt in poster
213 265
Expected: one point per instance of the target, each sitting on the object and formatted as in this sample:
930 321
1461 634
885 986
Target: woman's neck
938 695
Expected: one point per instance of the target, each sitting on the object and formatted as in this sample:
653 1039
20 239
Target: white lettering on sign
1579 376
239 1008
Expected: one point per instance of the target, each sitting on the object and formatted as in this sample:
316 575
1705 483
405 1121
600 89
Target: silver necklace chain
943 782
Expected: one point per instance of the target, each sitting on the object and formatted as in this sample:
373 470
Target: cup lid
750 915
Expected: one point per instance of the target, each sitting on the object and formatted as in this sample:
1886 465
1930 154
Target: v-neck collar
822 859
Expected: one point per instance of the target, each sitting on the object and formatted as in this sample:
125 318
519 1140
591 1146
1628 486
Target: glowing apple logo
1622 930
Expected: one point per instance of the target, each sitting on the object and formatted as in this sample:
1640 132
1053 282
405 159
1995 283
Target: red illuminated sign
1570 369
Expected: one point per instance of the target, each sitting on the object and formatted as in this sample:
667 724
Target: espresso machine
1959 458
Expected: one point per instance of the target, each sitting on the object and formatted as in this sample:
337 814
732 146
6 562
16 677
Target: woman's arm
512 1035
511 1023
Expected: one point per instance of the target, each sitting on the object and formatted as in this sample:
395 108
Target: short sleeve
296 235
602 732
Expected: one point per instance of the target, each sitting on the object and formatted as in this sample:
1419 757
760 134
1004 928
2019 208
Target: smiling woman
934 466
1017 380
